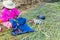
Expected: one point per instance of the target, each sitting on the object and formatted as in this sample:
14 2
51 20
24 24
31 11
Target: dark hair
3 7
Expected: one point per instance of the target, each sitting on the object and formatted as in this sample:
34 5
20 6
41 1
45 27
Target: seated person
9 11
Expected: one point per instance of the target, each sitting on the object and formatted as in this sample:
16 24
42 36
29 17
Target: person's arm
3 15
17 12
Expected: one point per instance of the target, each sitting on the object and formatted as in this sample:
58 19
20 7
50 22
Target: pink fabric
7 24
6 14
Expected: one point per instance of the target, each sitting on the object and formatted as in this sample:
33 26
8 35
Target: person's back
8 14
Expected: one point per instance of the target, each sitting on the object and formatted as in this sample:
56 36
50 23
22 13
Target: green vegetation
58 0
